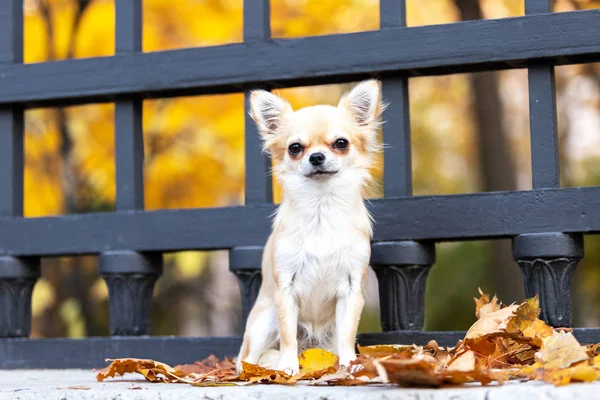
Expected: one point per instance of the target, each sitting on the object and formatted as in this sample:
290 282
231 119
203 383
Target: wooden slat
129 138
396 129
566 37
257 27
542 115
11 118
457 217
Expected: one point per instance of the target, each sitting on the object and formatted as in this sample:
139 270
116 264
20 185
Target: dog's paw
346 358
238 365
289 365
269 359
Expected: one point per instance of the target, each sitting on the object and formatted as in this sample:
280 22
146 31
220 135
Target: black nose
317 159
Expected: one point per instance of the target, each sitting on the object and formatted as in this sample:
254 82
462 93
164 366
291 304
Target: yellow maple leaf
315 363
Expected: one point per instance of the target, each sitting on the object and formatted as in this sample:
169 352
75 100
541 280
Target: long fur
315 261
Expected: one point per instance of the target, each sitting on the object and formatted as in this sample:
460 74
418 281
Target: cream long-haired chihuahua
315 261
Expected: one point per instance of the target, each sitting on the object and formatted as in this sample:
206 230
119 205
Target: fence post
17 274
547 262
245 262
402 269
130 275
17 278
402 266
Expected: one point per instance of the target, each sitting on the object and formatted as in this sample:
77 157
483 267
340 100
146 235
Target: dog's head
320 143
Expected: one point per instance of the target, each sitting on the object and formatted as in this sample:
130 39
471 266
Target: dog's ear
267 110
363 102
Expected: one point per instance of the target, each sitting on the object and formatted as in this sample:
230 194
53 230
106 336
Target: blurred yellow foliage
43 297
194 146
70 312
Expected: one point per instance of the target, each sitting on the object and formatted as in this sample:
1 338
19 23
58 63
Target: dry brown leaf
314 363
255 373
562 360
579 372
483 305
481 301
493 323
412 372
335 378
485 376
560 350
344 377
422 373
363 367
464 362
506 342
526 322
593 349
153 371
386 349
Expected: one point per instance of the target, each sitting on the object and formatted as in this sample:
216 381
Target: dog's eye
340 144
295 148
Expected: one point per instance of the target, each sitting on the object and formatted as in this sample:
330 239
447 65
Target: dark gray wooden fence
546 224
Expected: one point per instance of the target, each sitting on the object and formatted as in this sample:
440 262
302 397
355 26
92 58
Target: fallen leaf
483 305
464 362
505 343
255 373
492 323
433 345
485 377
340 375
412 372
526 322
314 363
385 349
584 372
153 371
560 350
580 372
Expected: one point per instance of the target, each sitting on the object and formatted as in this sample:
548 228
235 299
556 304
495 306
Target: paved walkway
81 384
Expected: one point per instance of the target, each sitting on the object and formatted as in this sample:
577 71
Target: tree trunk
497 169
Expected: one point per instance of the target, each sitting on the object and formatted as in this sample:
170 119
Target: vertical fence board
542 115
396 128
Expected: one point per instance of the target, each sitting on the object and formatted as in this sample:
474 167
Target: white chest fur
321 250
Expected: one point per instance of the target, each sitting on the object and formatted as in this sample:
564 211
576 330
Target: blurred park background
470 134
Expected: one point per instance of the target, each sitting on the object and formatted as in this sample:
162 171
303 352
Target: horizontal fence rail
452 217
91 352
546 224
560 38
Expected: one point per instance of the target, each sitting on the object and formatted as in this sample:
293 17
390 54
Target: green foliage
453 281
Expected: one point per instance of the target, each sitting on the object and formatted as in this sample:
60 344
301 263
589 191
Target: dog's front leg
348 309
286 307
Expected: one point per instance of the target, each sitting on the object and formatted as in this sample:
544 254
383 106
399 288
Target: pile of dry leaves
505 343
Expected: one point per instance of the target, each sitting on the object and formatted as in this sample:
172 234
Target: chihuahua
315 261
